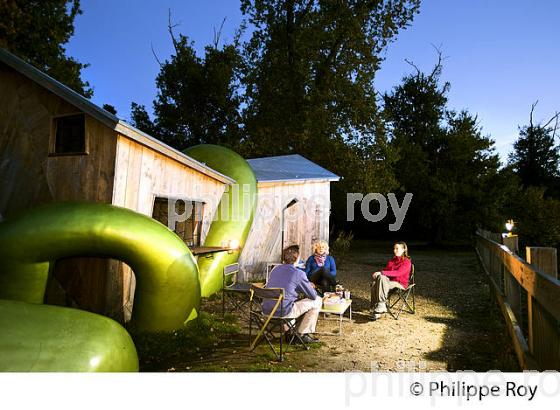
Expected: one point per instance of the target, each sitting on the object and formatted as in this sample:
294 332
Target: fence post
512 242
544 259
541 325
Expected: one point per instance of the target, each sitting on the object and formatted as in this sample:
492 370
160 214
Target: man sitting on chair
294 280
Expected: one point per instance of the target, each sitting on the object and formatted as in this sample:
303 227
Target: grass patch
202 335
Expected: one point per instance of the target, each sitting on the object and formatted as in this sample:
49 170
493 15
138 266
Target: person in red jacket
396 274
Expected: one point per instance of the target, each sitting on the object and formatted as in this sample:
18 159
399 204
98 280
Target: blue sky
501 55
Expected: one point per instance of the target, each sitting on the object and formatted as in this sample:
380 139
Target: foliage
340 247
536 158
302 83
110 108
197 100
444 160
537 217
308 77
309 70
141 119
36 31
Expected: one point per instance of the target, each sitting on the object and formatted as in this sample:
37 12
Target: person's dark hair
290 254
403 244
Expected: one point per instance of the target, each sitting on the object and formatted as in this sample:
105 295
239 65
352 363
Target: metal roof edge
333 176
295 180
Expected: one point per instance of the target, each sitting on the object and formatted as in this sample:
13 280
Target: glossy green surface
167 285
35 338
236 211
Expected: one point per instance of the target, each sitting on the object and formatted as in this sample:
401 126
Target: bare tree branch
217 34
418 71
555 126
155 55
170 28
553 118
437 68
531 114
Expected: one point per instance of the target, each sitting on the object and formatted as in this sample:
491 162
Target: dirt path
457 325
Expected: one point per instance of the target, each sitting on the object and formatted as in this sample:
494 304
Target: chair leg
250 327
296 335
390 305
223 303
281 340
405 301
395 313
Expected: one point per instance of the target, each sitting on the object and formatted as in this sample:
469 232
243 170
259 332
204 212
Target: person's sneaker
376 316
307 338
380 308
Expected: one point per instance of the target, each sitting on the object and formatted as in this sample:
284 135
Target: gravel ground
457 325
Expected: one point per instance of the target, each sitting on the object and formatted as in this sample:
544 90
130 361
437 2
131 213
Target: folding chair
237 292
400 296
268 323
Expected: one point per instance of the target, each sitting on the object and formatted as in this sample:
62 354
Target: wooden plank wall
141 174
305 222
30 177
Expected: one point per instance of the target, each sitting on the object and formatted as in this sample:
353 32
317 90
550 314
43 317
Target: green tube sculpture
37 338
235 212
167 285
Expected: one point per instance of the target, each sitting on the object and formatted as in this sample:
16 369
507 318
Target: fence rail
530 303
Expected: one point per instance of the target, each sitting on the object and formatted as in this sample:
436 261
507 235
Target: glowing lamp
233 244
509 226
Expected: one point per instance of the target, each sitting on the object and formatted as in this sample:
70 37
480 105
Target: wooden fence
529 299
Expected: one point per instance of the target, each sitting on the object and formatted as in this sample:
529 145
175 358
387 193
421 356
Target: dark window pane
70 134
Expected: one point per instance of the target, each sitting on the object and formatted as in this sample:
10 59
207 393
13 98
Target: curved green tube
36 338
235 212
167 285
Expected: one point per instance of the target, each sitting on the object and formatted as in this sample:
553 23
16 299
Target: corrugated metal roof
106 117
289 168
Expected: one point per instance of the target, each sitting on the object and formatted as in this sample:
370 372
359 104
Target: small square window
70 135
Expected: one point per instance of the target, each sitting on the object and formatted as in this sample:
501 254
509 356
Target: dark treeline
298 77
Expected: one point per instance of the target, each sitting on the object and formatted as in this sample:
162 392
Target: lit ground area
457 326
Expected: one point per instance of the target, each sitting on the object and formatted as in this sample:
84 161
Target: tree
536 157
537 217
197 100
444 160
140 118
110 108
36 31
308 74
309 70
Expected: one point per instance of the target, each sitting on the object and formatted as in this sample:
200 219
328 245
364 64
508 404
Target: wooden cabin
56 145
293 208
